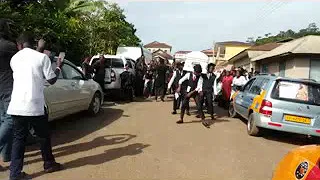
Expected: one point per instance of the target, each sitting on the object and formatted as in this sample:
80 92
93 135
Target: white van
135 53
115 65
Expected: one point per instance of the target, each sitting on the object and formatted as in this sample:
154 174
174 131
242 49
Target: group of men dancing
195 85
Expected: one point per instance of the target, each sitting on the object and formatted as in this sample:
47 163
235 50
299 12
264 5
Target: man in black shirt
160 81
127 83
7 50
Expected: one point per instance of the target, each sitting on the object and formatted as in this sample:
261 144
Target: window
315 69
282 68
256 87
300 92
248 85
71 73
117 63
54 65
264 68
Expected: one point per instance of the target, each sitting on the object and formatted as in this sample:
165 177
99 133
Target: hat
197 68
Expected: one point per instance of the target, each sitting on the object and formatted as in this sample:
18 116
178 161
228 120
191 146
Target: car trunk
296 103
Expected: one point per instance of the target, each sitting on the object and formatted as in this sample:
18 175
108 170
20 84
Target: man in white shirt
193 90
27 105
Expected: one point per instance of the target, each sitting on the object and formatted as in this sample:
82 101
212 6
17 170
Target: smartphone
62 55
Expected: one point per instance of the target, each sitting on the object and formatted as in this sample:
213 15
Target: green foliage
79 27
312 29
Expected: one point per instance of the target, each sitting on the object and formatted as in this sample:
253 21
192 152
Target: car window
54 65
71 73
117 63
129 63
248 85
265 83
301 92
256 87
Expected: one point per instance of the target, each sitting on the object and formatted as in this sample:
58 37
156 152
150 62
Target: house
209 53
181 55
155 46
162 55
299 58
223 51
244 58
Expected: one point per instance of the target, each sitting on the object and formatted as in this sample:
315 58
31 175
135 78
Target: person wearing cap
195 82
174 84
207 88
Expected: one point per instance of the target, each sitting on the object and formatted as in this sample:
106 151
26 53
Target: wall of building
163 49
233 50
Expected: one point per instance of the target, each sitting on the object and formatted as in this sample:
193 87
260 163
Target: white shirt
173 77
239 81
217 86
187 76
30 69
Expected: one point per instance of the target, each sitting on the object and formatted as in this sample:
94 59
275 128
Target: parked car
283 104
72 93
115 66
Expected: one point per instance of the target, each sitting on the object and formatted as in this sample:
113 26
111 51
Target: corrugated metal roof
305 45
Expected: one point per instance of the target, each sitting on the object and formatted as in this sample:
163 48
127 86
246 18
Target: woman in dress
226 88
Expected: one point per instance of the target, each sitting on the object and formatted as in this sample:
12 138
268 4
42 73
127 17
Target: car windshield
300 92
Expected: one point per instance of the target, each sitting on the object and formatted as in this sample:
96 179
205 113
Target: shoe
205 124
162 99
174 112
188 113
180 121
212 117
53 168
198 116
22 176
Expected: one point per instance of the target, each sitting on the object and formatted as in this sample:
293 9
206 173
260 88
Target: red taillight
318 131
113 75
266 108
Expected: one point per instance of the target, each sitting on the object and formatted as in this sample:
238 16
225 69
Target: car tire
231 111
252 129
95 104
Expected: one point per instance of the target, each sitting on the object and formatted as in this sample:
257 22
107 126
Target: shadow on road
76 126
86 146
108 155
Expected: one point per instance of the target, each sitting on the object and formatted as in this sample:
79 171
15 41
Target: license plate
297 119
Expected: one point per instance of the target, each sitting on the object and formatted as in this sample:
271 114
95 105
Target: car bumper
265 122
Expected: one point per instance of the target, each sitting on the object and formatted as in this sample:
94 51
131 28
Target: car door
55 96
251 94
74 81
241 98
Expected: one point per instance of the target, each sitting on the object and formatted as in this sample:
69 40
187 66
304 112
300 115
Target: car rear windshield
300 92
111 62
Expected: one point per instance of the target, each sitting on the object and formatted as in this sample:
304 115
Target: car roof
108 56
273 77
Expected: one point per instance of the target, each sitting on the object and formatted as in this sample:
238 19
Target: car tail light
266 108
113 75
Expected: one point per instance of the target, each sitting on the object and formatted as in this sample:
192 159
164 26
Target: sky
195 26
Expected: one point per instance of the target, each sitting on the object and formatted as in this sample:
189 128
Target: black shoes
180 121
53 168
174 112
22 176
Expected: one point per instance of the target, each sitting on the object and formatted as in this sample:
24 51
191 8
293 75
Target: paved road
142 141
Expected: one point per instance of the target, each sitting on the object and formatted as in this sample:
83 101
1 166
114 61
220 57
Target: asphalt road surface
141 140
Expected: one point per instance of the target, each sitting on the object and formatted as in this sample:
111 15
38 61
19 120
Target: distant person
7 50
238 81
148 82
160 80
174 84
140 71
127 83
86 68
27 106
227 88
100 72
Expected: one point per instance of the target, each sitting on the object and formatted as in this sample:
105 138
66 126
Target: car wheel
252 129
232 112
95 104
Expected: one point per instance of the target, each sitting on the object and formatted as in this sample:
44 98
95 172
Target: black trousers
160 91
20 133
186 101
128 94
207 98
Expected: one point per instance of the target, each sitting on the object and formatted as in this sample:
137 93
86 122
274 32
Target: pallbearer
174 84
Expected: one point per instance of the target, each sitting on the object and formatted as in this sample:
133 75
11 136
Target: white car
72 93
115 65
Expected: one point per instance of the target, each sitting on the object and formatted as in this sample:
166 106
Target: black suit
207 89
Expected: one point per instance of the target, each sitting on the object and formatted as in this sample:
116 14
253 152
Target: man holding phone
27 105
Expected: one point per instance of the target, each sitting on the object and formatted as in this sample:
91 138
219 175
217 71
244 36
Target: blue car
283 104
